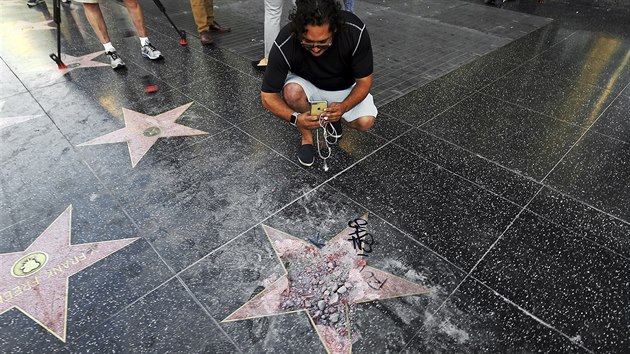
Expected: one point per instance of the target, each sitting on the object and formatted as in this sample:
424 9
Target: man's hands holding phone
307 121
334 112
310 120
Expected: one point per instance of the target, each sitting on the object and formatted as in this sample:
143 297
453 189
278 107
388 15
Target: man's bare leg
95 18
135 13
296 99
362 124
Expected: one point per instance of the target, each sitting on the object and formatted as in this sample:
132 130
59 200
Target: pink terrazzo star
74 63
35 281
141 131
323 283
9 121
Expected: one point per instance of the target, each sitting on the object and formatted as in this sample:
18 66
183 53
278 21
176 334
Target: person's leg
95 18
362 116
273 13
135 12
362 123
296 98
209 5
200 15
349 5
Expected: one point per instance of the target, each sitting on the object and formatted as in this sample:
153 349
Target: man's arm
358 94
276 105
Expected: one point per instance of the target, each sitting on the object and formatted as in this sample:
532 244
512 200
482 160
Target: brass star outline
141 131
40 291
269 302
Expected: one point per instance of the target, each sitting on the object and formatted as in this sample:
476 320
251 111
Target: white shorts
364 108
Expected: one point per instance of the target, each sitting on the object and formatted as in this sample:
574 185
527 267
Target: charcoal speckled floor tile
166 320
477 319
426 103
589 298
596 172
479 169
516 138
190 212
614 122
583 219
433 205
553 96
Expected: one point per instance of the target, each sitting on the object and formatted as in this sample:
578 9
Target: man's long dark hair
316 13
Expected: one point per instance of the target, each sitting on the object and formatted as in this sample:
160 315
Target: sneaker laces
150 46
113 55
324 123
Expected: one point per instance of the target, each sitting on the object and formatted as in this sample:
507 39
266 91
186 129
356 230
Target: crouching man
323 54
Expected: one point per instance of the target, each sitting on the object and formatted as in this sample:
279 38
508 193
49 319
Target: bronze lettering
17 291
31 283
36 281
57 269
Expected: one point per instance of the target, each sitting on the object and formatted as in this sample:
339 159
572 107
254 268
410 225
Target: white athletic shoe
32 3
114 60
149 51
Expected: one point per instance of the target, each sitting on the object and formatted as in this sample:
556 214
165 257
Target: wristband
294 117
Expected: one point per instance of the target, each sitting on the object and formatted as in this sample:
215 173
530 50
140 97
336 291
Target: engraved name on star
35 281
141 131
9 121
323 283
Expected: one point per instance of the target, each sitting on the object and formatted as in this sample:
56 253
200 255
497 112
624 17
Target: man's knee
131 4
91 6
364 123
293 94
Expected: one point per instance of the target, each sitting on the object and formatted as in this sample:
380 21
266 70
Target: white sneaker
149 51
66 1
114 60
32 3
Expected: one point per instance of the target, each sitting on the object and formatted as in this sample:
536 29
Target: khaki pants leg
203 12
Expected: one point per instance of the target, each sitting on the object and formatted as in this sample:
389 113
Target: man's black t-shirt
348 58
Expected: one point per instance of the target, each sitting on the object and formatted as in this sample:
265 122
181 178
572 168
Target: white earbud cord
323 123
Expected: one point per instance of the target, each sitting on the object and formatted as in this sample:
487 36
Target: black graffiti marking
380 284
360 237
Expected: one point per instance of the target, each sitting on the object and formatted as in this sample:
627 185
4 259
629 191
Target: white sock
109 47
144 41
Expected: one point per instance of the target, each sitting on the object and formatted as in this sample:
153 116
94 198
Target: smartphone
317 107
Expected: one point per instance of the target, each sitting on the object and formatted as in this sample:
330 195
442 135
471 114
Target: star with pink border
35 281
74 63
141 131
324 283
